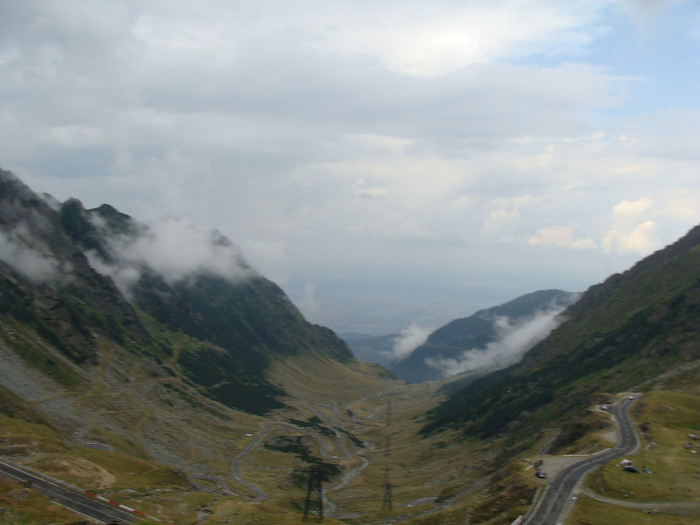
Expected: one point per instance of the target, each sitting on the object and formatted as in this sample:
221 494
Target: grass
668 418
229 511
135 473
19 437
21 505
444 466
34 353
664 420
592 512
179 507
39 447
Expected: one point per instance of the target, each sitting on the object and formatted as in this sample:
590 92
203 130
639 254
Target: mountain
637 330
462 345
152 366
183 299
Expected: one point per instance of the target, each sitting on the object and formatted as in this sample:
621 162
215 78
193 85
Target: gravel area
25 382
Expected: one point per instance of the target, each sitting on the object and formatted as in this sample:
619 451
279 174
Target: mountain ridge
169 378
242 321
620 334
476 332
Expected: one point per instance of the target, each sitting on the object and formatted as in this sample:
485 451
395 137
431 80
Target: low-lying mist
409 339
513 340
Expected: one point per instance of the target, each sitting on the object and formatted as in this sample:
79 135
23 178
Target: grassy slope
622 333
458 472
148 408
664 419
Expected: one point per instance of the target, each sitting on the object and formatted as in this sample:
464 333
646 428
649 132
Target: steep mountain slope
120 346
75 276
48 283
476 332
636 330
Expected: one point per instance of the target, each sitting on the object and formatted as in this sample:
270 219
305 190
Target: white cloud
422 40
29 262
409 339
73 136
641 240
309 302
562 236
629 232
501 219
513 340
422 137
177 250
682 205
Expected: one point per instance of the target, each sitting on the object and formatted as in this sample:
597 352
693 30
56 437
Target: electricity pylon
387 501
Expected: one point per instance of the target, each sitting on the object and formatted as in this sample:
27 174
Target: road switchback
551 507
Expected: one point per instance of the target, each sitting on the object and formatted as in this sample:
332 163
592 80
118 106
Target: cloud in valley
409 339
513 340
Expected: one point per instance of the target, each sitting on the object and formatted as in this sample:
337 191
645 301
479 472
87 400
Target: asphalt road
76 501
551 507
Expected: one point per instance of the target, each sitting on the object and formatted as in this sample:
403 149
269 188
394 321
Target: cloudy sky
388 163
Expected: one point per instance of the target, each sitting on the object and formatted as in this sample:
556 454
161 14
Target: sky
390 164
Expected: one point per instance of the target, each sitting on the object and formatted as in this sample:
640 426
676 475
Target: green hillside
622 334
191 388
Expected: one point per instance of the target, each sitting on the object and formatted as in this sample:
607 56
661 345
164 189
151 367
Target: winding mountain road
558 493
340 444
260 494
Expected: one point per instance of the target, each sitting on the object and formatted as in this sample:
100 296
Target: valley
438 480
203 396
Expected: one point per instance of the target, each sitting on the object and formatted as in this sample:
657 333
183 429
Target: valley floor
224 466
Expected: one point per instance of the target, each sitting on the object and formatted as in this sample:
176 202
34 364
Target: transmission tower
387 502
314 495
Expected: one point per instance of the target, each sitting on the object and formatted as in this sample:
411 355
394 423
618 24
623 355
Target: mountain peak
182 279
